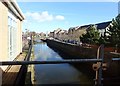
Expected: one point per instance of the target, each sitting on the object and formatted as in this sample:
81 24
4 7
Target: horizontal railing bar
115 59
53 62
49 62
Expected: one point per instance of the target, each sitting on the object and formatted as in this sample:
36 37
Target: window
12 32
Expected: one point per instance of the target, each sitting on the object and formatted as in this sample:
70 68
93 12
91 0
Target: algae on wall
30 76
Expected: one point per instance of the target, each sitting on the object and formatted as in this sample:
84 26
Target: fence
98 67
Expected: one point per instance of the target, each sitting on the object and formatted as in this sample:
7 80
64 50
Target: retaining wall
74 51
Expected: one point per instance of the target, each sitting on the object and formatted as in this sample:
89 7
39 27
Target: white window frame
12 36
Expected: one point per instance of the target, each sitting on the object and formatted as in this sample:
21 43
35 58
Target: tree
33 33
92 36
102 40
114 32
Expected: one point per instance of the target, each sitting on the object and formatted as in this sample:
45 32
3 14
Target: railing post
100 55
20 80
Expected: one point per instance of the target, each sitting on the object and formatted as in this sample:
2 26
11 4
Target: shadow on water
84 67
111 76
58 73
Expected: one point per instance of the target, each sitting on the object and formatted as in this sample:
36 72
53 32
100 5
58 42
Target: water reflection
43 52
55 73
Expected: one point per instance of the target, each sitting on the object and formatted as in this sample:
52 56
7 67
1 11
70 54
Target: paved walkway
10 75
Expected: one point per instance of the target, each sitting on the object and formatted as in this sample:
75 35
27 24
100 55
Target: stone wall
78 52
73 51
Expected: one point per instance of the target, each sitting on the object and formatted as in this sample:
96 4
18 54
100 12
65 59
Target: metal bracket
97 65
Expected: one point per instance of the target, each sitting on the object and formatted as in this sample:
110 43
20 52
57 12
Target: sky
48 16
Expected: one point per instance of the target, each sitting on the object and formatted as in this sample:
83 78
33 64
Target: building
103 27
51 34
55 33
74 33
42 35
11 18
79 31
62 35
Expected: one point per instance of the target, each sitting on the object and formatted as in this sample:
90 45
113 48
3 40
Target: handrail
100 60
2 63
20 80
29 52
49 62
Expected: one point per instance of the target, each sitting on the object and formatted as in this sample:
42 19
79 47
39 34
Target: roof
56 31
84 26
103 25
18 9
13 6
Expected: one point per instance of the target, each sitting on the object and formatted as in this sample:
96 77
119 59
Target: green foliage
92 36
101 40
114 32
112 39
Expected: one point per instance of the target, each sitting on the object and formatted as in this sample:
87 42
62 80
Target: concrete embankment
73 51
30 76
78 52
112 73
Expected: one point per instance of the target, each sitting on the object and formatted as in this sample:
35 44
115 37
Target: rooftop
103 25
13 6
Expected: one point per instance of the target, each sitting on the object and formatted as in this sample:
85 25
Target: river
56 73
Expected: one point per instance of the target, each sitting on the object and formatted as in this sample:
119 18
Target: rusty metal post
100 55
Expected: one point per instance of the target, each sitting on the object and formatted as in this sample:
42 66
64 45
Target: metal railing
98 67
49 62
20 80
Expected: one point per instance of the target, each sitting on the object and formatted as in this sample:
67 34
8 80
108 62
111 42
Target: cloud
41 17
59 17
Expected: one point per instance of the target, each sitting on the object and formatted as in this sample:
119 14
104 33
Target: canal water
56 73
